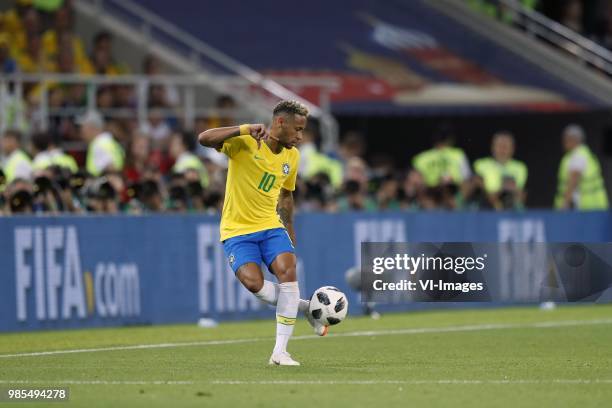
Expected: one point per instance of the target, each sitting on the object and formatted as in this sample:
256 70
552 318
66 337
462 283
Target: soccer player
261 177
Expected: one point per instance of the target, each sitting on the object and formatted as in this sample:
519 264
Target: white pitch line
476 327
134 347
97 382
579 381
410 382
466 328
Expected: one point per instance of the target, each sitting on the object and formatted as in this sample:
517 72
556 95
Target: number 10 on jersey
267 181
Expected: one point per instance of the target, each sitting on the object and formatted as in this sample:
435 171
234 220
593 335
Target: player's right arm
217 136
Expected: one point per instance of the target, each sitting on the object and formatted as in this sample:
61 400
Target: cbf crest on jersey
286 168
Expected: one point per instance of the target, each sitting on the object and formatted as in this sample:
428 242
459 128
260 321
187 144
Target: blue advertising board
69 272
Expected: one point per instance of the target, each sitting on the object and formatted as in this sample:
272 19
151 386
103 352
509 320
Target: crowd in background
590 18
126 166
189 178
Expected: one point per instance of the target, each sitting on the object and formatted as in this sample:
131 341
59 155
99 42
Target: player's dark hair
291 107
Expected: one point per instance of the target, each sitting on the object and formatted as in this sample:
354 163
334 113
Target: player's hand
258 132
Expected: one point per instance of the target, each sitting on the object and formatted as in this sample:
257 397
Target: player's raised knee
288 274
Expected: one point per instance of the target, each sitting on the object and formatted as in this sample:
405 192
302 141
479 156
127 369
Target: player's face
292 128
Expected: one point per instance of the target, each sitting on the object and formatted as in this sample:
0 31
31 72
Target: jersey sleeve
291 180
233 145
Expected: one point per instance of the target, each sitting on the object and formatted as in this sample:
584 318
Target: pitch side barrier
92 271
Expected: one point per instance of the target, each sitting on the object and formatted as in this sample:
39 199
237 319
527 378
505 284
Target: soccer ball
328 305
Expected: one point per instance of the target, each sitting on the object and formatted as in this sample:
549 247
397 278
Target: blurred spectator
46 197
102 55
7 63
30 28
474 195
40 150
602 32
504 178
179 199
157 128
61 126
444 167
63 46
47 9
18 197
572 15
32 60
352 145
13 18
316 194
62 159
214 161
150 196
104 153
101 196
138 158
104 99
354 198
387 194
580 183
226 109
15 110
16 163
67 56
413 195
355 188
313 162
151 66
186 162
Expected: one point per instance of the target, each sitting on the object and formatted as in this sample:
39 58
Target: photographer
474 196
18 197
504 177
46 195
101 197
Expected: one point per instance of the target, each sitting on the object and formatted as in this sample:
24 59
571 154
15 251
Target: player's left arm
285 211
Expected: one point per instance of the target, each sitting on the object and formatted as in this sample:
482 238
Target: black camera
20 201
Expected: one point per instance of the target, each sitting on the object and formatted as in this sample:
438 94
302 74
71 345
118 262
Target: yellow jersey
254 180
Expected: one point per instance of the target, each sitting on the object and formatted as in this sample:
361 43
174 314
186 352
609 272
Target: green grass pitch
515 357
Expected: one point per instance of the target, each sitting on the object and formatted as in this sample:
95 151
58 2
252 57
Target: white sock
268 293
303 305
286 312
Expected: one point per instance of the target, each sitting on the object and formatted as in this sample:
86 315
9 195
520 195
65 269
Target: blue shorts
262 246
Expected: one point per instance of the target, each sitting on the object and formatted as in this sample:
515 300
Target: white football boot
319 328
282 359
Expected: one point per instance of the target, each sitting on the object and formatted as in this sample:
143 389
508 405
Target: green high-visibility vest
591 188
189 161
48 6
42 161
483 6
16 159
436 164
493 173
321 163
110 145
65 161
